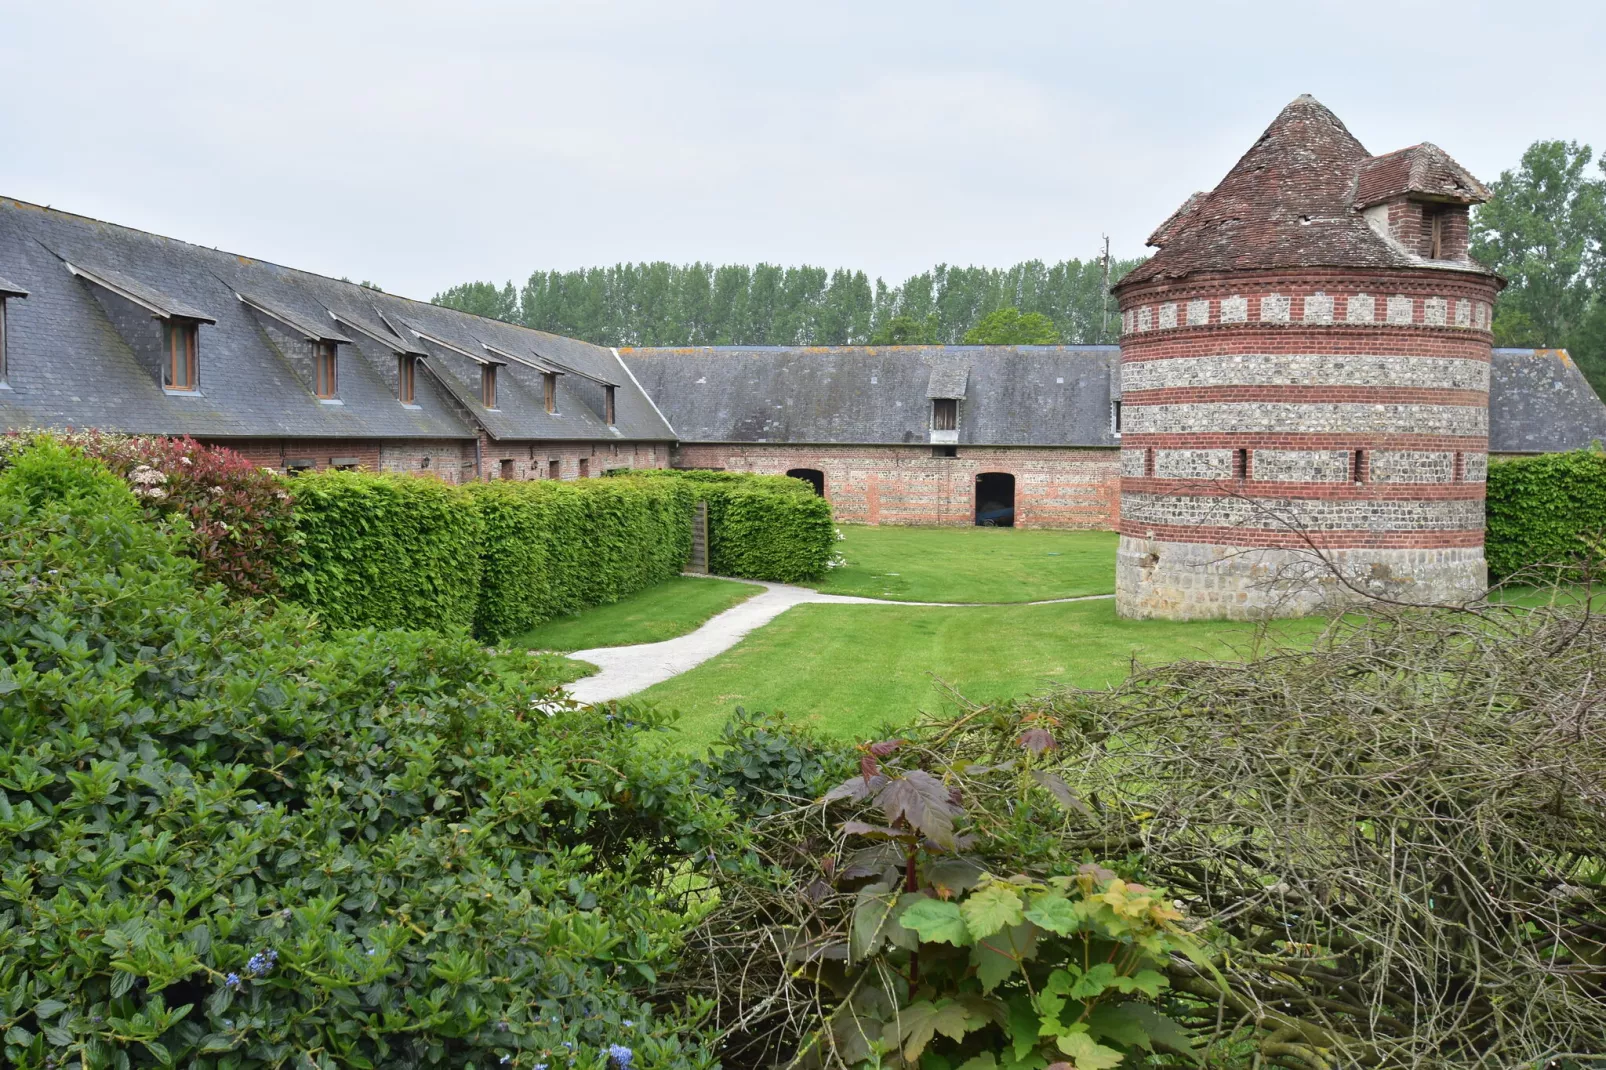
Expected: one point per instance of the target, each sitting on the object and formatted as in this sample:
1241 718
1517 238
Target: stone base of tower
1204 581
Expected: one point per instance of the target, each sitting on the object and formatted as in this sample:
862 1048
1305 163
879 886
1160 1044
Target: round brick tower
1305 385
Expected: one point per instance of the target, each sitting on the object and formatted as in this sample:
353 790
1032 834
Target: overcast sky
421 144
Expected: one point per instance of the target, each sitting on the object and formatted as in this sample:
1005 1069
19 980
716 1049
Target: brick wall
1054 488
452 460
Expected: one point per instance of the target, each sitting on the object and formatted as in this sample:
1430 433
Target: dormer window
488 385
2 339
944 414
607 404
325 370
1433 220
549 390
1115 416
180 371
405 363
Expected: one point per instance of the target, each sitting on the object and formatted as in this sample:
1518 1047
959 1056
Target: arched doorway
812 476
995 500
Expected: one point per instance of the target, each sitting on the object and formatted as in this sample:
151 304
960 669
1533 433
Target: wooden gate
699 539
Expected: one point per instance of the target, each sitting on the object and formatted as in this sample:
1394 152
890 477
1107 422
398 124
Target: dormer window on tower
181 352
7 290
488 385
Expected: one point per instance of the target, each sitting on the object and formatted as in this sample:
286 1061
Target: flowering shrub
228 839
241 528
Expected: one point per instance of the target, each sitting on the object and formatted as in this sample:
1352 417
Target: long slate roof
1014 396
1539 402
1011 395
69 365
1294 200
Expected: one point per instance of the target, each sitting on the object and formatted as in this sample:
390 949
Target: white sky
420 144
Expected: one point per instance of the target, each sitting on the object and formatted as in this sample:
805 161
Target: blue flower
232 980
228 1023
263 961
621 1056
540 1066
628 1024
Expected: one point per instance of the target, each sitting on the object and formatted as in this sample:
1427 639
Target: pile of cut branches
1393 844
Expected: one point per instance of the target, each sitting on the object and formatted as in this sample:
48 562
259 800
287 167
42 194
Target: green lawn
972 564
848 669
673 608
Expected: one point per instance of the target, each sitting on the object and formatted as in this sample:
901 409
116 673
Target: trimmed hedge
386 551
1545 512
762 527
552 548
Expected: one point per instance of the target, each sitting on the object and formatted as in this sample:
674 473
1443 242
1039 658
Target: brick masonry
453 460
1054 488
1282 420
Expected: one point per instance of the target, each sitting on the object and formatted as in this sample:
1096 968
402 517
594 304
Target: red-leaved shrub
242 525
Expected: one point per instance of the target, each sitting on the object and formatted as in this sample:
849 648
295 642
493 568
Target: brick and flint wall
1055 487
1280 426
453 460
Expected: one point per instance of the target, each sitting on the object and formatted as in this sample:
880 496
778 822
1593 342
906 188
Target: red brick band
1337 394
1247 538
1301 440
1267 489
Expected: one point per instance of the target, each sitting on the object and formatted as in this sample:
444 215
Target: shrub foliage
1546 512
228 839
551 548
241 525
762 527
386 551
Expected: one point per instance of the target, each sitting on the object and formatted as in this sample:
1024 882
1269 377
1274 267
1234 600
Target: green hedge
552 548
386 551
762 527
1545 511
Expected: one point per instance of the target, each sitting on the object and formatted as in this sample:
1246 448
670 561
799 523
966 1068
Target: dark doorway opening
812 476
995 500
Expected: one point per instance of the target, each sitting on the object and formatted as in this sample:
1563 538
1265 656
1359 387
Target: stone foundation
1207 581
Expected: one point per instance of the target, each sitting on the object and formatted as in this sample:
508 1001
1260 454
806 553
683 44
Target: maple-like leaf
1087 1053
991 909
920 799
1055 785
1036 740
885 747
855 788
919 1022
1054 913
998 956
937 922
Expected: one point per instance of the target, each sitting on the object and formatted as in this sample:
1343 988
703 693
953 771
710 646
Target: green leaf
870 916
937 922
984 1061
919 1022
48 1008
1092 984
999 955
1164 1032
1054 913
1087 1053
1149 982
991 909
1023 1025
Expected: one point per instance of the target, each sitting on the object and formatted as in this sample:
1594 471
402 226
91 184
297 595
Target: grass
673 608
849 669
972 564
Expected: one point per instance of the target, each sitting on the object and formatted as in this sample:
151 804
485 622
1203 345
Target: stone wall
1054 488
453 460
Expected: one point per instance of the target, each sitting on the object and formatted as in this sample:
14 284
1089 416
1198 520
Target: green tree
906 331
483 299
1010 326
1543 230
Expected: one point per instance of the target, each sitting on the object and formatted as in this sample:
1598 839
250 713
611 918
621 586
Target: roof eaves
308 330
394 343
153 301
11 289
562 367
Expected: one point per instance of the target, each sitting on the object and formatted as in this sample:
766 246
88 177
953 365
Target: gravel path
625 670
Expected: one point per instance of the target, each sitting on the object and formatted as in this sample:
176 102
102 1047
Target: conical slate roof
1290 202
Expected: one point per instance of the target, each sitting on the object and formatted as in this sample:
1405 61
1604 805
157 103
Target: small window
944 414
2 339
585 468
1240 464
325 370
405 365
345 464
508 469
549 390
423 462
607 404
179 362
1435 221
1357 466
1115 416
554 469
488 385
296 465
945 451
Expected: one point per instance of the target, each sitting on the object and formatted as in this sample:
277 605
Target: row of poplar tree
663 304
